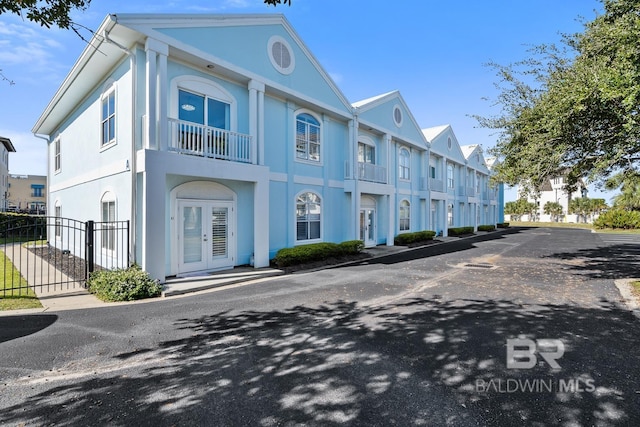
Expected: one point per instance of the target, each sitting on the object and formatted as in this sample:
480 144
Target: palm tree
629 197
554 209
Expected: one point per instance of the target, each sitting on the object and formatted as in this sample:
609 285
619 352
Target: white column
391 227
153 229
150 101
253 120
261 127
256 119
261 223
355 197
163 98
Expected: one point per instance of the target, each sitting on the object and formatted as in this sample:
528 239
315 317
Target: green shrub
123 284
417 236
618 218
457 231
315 252
502 225
486 227
352 247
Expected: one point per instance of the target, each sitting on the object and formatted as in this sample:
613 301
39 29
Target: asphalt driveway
418 338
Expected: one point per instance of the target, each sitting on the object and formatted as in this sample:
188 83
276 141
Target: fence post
89 237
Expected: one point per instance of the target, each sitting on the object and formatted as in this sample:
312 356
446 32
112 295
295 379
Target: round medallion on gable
397 116
281 55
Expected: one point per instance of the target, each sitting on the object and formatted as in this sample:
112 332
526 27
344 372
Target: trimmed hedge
502 225
123 284
618 218
316 252
417 236
486 227
458 231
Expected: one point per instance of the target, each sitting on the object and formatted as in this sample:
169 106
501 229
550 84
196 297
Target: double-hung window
404 164
307 138
108 226
450 181
57 156
109 118
308 217
366 153
58 221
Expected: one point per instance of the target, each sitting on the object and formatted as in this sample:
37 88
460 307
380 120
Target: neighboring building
553 190
6 147
27 193
222 153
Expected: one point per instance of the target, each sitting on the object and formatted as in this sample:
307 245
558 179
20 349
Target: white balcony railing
199 140
372 173
471 192
436 185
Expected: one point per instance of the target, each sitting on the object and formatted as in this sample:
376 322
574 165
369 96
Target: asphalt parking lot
416 338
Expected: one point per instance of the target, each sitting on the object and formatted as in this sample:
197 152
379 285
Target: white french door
206 235
368 227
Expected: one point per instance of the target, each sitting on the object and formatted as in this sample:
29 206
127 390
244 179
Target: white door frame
207 259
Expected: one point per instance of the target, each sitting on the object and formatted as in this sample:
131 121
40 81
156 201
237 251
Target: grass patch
635 289
14 299
550 224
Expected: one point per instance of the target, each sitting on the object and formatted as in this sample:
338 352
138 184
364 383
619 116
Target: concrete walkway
64 294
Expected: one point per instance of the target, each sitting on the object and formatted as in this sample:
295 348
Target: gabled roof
433 132
378 112
373 99
468 150
7 144
186 37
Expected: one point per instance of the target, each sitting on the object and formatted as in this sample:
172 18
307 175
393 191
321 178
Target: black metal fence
52 254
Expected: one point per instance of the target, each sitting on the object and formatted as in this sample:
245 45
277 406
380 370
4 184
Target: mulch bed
71 265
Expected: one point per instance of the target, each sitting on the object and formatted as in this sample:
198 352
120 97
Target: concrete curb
632 302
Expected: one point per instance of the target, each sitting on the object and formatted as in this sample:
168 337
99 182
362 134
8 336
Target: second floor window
109 118
366 153
450 182
404 161
56 155
307 138
203 110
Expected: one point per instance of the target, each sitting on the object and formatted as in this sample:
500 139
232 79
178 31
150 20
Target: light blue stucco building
223 140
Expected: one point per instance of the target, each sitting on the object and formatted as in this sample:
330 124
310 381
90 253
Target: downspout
48 139
132 163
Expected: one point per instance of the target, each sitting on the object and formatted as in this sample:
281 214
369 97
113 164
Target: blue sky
433 52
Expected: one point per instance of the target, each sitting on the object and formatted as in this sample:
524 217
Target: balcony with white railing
214 143
436 185
367 172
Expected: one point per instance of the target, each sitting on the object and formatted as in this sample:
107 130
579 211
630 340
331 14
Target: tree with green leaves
575 107
553 209
629 185
519 208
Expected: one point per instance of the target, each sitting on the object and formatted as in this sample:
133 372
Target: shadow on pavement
421 362
12 327
618 261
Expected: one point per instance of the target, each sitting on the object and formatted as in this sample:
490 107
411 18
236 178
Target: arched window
404 164
307 137
405 215
308 217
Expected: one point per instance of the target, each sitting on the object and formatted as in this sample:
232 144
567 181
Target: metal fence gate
50 254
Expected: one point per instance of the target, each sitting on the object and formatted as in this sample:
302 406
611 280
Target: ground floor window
108 226
405 216
308 216
450 215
